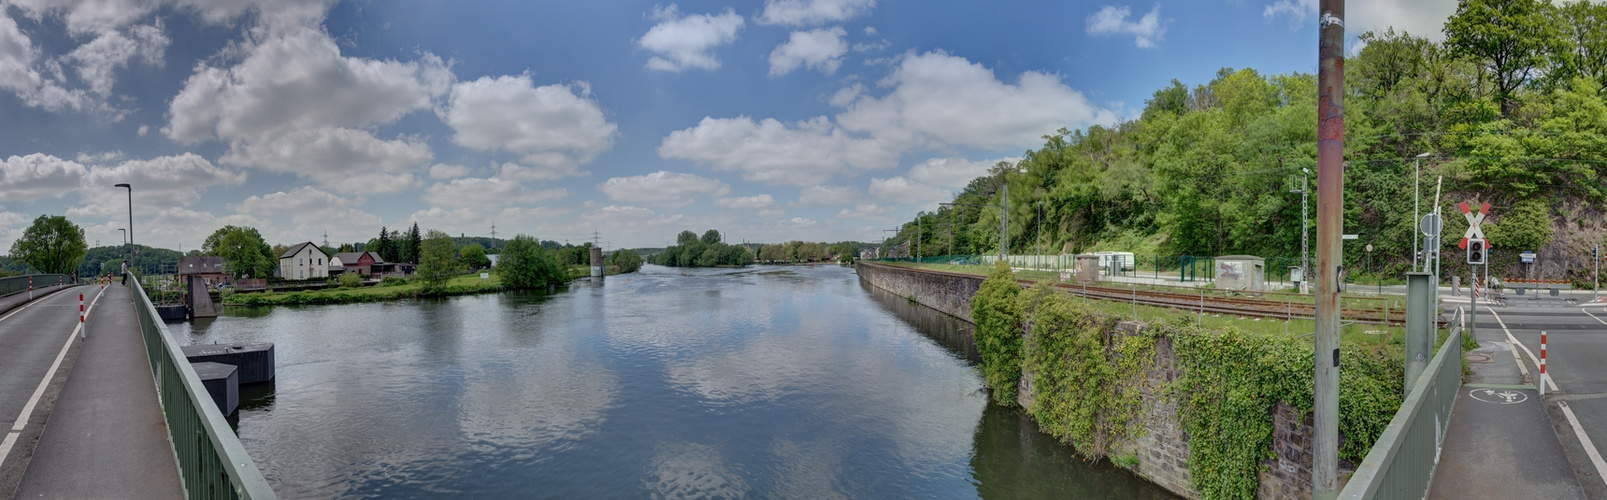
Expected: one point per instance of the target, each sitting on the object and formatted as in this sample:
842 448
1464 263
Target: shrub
350 280
998 332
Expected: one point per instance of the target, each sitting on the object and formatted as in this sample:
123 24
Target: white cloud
952 173
1297 11
487 193
555 127
762 205
299 81
812 12
158 183
663 188
819 49
1425 18
867 47
828 195
454 221
900 190
97 60
99 158
1112 20
865 211
802 154
442 171
99 16
29 178
17 55
12 225
343 159
945 100
846 95
685 41
538 172
870 31
304 199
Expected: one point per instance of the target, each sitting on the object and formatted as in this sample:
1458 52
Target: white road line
30 303
1550 382
1590 449
1587 312
27 410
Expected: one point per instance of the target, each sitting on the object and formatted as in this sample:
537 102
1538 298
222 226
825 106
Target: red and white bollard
82 328
30 288
1542 363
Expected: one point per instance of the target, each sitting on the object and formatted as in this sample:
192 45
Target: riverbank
469 284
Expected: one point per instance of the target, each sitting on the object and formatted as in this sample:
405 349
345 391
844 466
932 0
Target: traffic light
1476 251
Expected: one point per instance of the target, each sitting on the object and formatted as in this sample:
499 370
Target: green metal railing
14 284
1401 463
212 462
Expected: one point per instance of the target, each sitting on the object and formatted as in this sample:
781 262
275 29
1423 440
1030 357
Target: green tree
473 256
437 261
525 264
1527 227
711 237
626 260
245 254
1511 38
412 245
52 244
686 237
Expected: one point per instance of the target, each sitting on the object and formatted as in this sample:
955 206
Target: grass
459 285
1355 334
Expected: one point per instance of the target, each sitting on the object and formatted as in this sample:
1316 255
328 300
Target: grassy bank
460 285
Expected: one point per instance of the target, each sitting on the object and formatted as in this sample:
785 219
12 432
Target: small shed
1241 272
1087 267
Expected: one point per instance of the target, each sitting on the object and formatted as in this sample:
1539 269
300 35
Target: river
765 382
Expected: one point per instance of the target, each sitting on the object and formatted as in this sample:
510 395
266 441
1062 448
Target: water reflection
764 382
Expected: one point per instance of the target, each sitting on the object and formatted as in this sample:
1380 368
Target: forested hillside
1510 108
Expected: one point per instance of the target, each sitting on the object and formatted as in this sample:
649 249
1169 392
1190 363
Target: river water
765 382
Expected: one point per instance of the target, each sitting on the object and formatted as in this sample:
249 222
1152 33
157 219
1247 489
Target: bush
392 281
524 264
350 280
998 332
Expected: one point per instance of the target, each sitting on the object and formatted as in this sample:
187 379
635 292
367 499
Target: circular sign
1499 396
1369 247
1430 225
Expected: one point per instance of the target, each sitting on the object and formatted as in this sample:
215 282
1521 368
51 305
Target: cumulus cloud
1425 18
35 176
300 81
1112 20
865 211
553 127
162 182
900 190
442 172
952 173
343 159
685 41
828 195
768 151
819 49
663 188
813 12
762 205
944 100
17 55
487 193
97 60
304 199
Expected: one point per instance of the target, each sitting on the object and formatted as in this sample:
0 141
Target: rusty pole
1330 219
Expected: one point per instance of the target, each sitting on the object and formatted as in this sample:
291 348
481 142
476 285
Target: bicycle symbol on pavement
1499 396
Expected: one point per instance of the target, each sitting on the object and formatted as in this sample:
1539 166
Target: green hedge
1088 381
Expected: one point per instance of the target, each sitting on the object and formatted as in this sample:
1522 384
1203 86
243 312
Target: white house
304 261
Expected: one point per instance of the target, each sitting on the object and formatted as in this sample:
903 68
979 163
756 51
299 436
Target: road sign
1430 225
1473 231
1527 256
1369 247
1349 236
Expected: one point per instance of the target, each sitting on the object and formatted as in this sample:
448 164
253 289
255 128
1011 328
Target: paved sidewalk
106 437
1500 443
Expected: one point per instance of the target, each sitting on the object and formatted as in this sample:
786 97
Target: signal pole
1330 222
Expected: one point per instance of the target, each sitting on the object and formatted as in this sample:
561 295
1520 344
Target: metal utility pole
919 235
1417 199
1595 290
1330 222
1004 224
1305 234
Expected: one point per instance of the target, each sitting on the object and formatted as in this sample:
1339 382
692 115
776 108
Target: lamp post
130 221
125 245
1379 279
1417 199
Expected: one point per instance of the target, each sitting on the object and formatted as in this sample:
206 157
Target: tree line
1511 109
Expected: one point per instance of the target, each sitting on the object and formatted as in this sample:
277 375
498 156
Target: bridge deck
105 436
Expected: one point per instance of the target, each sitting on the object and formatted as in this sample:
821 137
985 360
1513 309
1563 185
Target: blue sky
770 120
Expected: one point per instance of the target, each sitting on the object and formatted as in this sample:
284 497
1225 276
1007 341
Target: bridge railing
212 462
1401 463
14 284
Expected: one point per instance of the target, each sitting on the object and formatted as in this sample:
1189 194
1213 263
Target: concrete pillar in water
1419 326
597 262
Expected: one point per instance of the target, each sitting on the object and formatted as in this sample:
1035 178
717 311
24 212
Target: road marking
27 410
1550 382
1587 311
1590 449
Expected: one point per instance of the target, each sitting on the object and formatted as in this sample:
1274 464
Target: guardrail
212 462
14 284
1401 463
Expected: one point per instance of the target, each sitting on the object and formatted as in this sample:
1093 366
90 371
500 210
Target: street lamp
125 245
130 221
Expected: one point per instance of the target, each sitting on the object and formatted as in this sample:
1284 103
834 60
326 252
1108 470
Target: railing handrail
235 463
1372 472
17 284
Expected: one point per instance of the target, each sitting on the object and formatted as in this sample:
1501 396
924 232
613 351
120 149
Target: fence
14 284
212 462
1182 268
1401 463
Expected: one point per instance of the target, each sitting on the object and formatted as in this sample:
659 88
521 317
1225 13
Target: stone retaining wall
947 292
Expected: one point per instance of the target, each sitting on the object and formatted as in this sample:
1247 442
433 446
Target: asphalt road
1576 363
34 334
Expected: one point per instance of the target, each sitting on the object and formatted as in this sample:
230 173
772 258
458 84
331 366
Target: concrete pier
254 359
222 383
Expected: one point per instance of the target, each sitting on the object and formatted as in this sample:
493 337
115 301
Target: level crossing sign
1473 232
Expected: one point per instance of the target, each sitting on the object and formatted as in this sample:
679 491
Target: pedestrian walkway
1500 442
106 436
